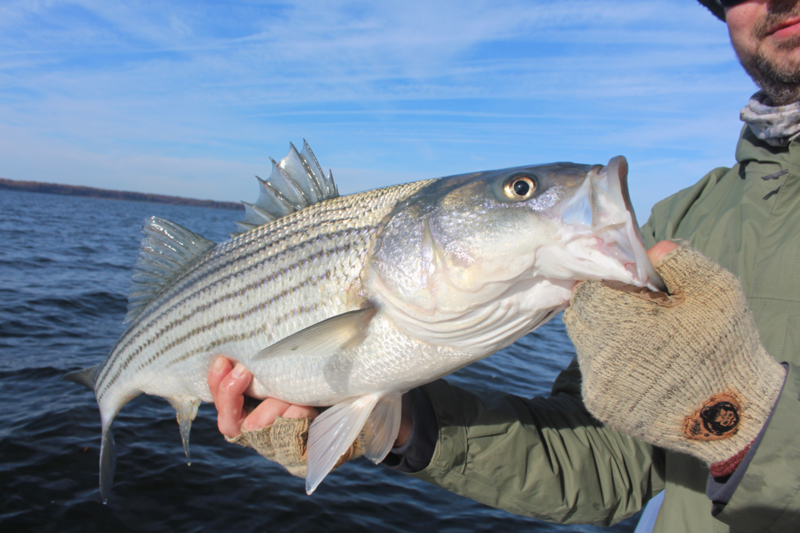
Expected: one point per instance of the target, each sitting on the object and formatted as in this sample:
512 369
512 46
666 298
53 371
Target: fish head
468 240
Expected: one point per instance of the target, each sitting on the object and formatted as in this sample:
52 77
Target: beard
780 80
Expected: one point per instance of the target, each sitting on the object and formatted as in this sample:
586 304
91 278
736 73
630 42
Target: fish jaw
599 237
478 274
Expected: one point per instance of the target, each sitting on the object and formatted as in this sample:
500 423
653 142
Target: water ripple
65 270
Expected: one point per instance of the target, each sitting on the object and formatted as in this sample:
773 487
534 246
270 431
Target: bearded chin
780 82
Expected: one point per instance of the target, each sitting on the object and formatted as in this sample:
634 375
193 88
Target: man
676 393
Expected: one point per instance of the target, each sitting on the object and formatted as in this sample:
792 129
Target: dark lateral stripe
365 210
311 281
197 280
261 330
218 342
230 250
342 248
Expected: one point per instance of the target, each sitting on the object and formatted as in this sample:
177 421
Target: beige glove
684 371
284 442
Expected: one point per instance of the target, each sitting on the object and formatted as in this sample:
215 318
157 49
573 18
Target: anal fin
185 413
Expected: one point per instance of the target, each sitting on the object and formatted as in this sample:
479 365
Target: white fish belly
245 295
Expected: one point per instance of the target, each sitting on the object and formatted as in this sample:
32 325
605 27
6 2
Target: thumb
660 251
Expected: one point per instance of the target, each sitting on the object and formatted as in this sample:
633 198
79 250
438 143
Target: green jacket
548 458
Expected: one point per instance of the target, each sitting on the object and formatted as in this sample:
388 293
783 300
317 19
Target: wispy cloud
195 95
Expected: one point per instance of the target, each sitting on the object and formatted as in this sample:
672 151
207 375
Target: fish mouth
598 226
617 182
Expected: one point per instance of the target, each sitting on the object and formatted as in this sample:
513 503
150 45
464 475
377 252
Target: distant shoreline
92 192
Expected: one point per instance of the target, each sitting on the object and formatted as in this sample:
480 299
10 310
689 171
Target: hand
228 383
684 371
275 429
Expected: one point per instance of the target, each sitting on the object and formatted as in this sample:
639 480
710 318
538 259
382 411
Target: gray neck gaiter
777 126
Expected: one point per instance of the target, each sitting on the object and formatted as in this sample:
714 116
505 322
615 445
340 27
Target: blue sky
192 98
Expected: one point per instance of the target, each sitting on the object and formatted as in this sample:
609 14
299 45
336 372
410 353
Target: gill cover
465 239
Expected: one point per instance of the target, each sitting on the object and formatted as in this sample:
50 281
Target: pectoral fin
185 412
324 338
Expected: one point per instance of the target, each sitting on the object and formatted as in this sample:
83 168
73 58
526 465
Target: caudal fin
108 461
85 377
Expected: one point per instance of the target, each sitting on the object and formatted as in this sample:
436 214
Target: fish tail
85 377
108 457
108 460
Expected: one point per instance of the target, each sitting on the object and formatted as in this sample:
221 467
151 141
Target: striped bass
350 301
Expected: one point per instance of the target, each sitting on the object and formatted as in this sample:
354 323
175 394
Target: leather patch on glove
717 419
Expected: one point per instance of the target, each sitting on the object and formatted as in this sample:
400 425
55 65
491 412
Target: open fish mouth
617 178
599 229
350 301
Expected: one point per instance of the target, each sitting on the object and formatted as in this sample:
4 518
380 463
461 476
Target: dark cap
715 8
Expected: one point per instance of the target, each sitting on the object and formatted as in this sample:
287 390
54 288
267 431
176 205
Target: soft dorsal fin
167 250
297 181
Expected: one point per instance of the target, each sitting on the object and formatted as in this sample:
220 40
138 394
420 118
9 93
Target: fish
348 302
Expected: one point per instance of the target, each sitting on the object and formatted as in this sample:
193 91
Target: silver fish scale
247 294
387 359
462 268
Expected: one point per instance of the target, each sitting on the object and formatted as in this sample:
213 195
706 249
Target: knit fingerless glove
685 371
285 442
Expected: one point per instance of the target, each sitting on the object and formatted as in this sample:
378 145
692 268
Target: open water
64 272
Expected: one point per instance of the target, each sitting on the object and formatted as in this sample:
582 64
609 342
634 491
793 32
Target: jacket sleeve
545 458
768 496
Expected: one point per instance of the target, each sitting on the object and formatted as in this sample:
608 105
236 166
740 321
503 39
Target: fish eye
520 187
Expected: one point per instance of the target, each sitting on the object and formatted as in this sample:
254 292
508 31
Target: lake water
64 272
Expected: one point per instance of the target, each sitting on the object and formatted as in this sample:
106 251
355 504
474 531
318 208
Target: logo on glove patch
717 419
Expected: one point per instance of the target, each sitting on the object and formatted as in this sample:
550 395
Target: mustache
778 12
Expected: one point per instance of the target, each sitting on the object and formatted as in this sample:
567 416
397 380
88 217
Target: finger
265 414
222 366
271 408
660 251
300 411
230 401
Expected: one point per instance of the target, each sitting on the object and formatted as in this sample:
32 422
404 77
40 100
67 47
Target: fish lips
599 228
617 172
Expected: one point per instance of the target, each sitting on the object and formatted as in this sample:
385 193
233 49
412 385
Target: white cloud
197 94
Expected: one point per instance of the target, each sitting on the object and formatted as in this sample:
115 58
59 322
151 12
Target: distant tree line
91 192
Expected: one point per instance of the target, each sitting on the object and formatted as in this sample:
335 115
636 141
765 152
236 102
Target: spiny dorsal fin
167 250
297 181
